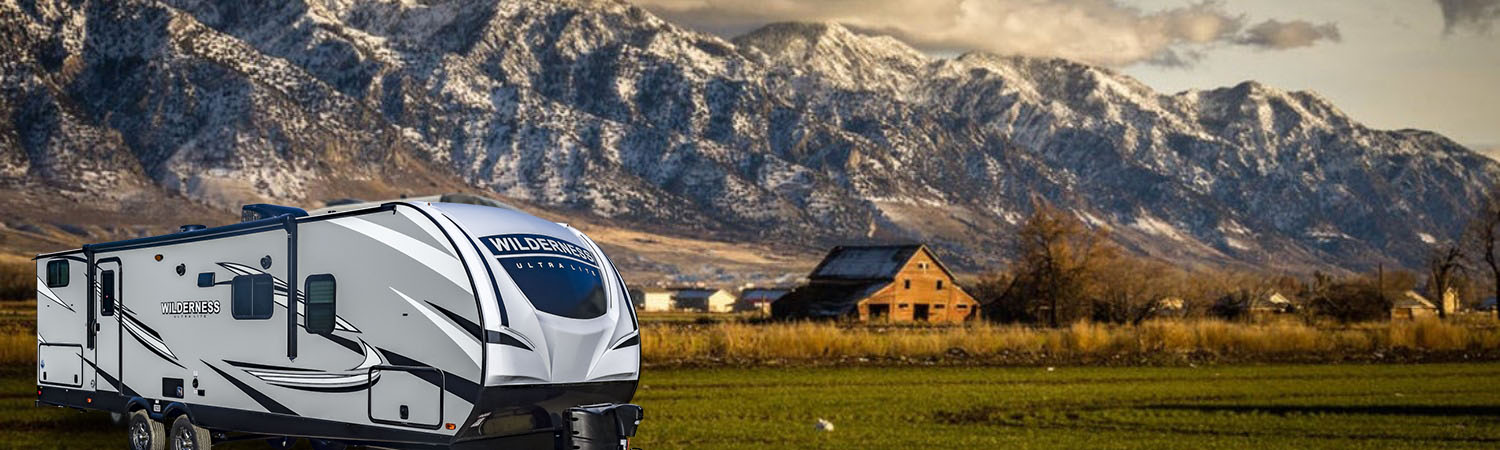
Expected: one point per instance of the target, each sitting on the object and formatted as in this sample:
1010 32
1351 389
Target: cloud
1277 35
1105 32
1478 16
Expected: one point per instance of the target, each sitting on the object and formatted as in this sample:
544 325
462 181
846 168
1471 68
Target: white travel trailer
408 324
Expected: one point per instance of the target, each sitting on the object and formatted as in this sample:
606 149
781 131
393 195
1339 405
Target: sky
1427 64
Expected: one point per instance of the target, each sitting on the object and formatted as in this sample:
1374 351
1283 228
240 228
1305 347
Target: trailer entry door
106 318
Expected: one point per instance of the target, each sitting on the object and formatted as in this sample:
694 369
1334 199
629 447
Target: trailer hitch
601 427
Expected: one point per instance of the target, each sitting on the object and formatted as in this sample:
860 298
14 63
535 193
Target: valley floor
1278 406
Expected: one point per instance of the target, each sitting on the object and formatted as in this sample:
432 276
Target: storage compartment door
60 364
410 396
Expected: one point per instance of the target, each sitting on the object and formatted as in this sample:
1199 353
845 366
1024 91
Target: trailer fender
138 403
156 409
174 409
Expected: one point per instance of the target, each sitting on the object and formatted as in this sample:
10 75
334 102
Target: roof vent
193 227
258 211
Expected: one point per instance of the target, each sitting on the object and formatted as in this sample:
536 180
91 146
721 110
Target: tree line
1065 271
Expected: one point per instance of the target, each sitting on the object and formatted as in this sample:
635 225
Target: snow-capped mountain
802 133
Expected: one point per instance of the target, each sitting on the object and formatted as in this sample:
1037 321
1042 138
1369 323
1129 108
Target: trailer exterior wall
423 312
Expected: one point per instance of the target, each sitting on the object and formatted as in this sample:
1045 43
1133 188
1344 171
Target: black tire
281 443
144 433
319 444
186 436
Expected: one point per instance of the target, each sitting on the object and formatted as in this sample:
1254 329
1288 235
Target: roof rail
258 211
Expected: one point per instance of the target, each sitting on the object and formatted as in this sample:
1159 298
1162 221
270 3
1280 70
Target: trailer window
321 300
559 286
57 273
107 290
250 297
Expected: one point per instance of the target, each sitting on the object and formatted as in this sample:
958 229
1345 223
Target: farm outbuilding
898 283
703 300
759 299
652 299
1450 301
1412 306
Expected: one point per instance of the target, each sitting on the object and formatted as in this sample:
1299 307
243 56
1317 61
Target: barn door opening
880 312
919 312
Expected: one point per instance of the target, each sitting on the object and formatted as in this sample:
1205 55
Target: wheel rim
184 439
140 435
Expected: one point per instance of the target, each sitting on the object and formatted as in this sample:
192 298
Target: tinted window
57 273
251 296
321 300
107 288
559 286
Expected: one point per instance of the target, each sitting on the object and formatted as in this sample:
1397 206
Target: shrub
17 280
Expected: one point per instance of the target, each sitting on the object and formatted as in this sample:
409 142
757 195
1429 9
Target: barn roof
763 294
867 262
1412 300
825 300
1274 301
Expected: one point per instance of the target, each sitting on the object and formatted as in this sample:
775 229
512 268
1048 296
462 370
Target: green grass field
1327 406
1344 406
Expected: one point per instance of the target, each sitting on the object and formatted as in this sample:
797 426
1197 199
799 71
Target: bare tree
1446 263
1356 298
1485 230
1056 253
1131 290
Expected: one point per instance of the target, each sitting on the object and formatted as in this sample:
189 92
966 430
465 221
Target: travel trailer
406 324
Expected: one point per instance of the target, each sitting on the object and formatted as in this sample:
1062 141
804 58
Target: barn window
57 273
250 297
939 306
908 283
962 306
940 285
902 306
321 303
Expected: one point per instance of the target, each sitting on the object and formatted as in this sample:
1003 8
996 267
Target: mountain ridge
810 134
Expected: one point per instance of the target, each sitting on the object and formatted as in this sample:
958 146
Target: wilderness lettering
526 244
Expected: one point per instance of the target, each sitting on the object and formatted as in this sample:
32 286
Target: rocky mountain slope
795 134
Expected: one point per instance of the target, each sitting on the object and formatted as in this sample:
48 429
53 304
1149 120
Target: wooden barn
898 283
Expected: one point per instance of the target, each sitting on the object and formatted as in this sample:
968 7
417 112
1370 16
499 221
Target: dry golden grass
807 342
17 349
828 343
17 278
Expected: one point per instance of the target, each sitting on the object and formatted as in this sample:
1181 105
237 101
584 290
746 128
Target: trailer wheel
186 436
146 434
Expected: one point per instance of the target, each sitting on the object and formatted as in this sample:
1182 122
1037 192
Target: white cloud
1275 34
1095 31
